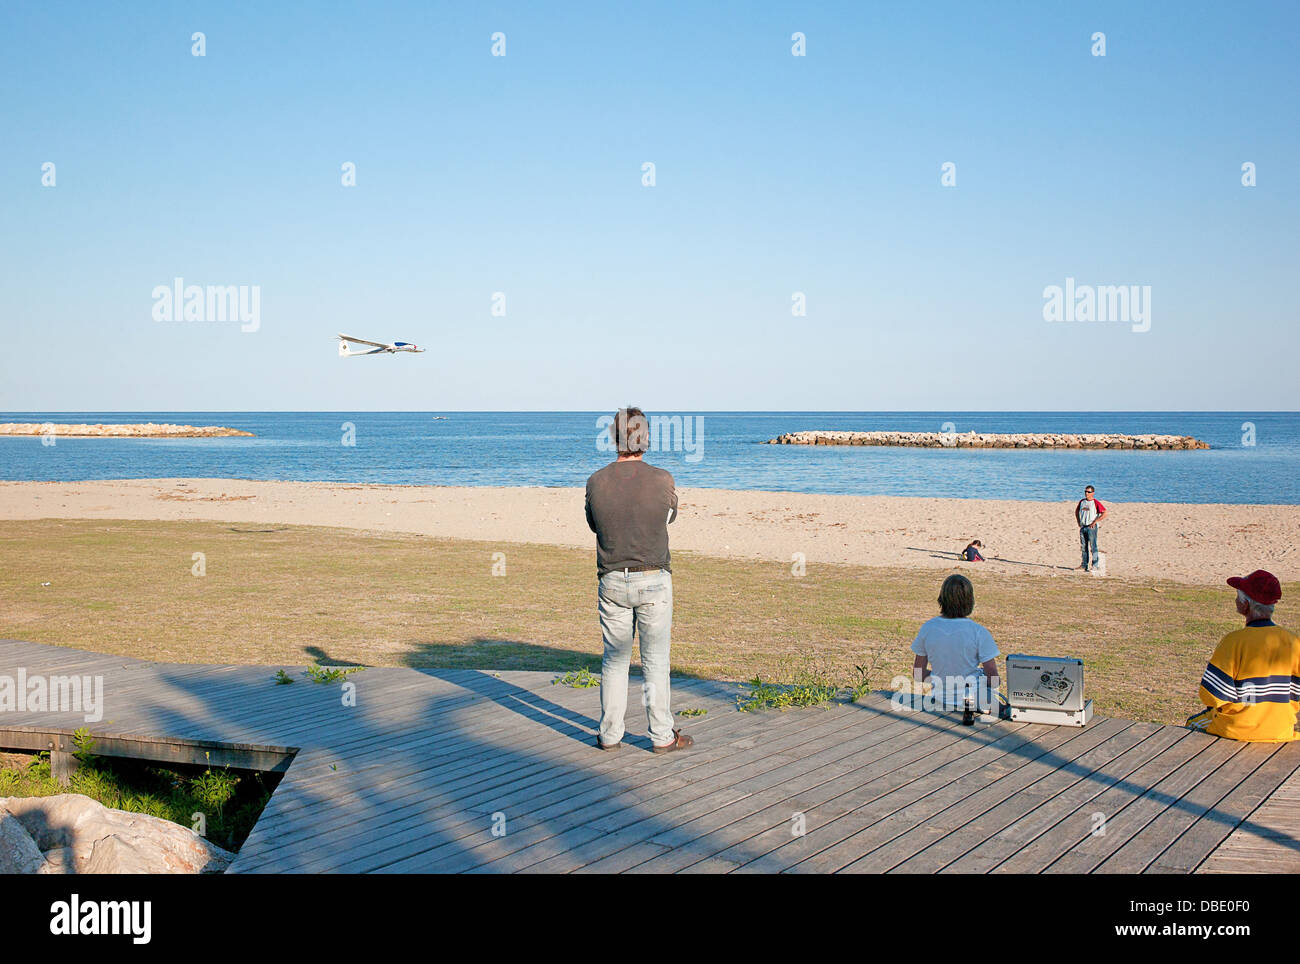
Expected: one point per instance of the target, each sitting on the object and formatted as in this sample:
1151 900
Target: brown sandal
612 746
680 742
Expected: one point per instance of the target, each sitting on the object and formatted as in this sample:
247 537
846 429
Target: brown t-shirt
629 506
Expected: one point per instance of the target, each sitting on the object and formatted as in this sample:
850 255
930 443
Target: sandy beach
1198 544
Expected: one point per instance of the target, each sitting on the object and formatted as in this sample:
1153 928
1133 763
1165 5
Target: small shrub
862 673
578 679
809 685
213 789
330 674
85 744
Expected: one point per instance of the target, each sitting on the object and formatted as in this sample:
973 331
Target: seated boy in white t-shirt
951 649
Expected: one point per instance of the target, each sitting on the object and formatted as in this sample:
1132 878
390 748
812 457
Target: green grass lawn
293 594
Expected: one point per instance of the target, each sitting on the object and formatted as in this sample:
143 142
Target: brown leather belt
638 568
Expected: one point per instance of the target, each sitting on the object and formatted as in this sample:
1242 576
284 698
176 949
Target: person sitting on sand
629 506
972 552
951 649
1251 687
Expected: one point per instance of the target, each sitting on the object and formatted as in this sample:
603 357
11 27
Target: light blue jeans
1088 540
640 603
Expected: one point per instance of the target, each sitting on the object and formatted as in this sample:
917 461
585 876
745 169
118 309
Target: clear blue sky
775 174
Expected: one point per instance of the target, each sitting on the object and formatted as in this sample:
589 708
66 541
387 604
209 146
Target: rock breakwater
138 430
977 440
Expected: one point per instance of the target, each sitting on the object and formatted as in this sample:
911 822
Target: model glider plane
376 347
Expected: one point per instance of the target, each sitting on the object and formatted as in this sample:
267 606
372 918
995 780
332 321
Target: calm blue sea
559 449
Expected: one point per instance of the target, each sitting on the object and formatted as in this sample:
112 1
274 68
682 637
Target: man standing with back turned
629 506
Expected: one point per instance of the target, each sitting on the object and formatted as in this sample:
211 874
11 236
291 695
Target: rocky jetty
145 430
975 440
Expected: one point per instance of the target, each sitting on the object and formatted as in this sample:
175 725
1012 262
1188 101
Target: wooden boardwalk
428 763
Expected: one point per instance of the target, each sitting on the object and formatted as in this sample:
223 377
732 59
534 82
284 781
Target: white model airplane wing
362 341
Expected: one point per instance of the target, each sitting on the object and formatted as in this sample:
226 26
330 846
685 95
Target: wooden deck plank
686 813
1132 808
1038 807
945 822
394 697
889 811
410 787
405 817
1196 844
410 777
571 777
642 778
1268 840
457 824
573 811
768 818
1066 818
1037 855
1142 849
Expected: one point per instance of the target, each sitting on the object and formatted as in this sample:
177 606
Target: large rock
60 860
81 835
18 851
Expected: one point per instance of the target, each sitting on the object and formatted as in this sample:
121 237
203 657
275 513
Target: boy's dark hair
630 431
957 597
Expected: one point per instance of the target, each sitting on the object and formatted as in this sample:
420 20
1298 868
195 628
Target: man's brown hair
630 431
957 597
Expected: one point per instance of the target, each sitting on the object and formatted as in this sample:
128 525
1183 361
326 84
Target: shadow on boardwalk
470 770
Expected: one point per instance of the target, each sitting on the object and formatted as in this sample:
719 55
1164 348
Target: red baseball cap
1260 586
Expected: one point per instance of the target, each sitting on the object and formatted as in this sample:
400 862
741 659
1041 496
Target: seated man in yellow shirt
1252 683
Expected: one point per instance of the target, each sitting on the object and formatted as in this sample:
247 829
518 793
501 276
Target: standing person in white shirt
951 649
1089 512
